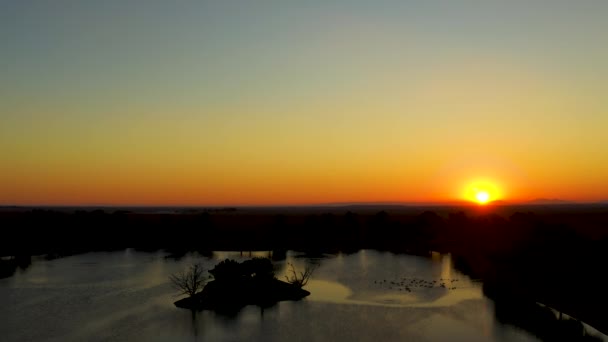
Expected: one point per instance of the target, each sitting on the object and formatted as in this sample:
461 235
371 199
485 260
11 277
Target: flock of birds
408 284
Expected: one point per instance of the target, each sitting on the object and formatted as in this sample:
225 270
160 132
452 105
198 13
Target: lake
363 296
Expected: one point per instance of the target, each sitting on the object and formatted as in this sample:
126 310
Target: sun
482 191
482 196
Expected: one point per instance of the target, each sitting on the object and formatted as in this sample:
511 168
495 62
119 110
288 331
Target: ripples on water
368 295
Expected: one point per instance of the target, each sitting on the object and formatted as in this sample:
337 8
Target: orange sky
217 104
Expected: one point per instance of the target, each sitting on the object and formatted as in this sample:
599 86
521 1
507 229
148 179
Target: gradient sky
281 102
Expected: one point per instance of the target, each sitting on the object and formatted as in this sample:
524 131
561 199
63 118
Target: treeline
50 231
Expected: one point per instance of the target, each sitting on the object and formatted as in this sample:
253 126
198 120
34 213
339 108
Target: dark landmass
237 285
230 297
554 254
541 321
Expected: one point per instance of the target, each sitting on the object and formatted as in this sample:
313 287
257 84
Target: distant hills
549 201
536 201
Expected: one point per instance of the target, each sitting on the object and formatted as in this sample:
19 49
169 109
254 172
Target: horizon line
539 201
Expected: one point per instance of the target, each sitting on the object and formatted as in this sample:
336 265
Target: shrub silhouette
230 270
260 268
227 270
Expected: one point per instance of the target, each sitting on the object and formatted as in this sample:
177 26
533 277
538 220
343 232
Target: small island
237 285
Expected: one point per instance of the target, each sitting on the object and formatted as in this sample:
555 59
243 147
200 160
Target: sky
122 102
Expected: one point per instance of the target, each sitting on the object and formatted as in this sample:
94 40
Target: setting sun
483 191
482 197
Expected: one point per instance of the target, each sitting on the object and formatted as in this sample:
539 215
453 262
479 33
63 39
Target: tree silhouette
190 281
300 280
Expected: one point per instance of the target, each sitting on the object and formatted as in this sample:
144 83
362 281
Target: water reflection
126 295
414 282
446 266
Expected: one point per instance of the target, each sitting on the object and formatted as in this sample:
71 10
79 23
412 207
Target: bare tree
189 282
301 279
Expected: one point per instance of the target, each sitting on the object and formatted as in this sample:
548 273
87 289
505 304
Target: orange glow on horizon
483 191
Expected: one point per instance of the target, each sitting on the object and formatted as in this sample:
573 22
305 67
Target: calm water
120 296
